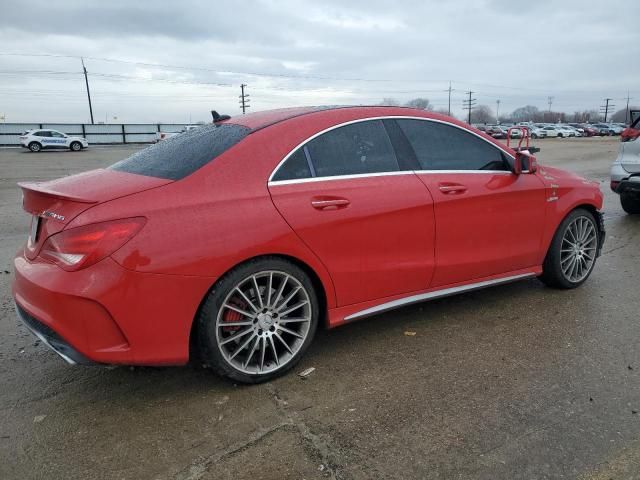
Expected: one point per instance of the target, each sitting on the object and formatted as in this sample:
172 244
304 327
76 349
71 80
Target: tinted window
57 134
362 147
183 154
43 133
295 167
444 147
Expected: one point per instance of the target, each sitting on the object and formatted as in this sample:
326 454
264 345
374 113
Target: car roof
259 120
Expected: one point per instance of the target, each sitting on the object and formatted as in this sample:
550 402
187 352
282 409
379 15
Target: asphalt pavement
514 382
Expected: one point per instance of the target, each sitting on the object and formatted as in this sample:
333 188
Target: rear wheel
630 203
76 146
572 253
258 320
560 135
35 147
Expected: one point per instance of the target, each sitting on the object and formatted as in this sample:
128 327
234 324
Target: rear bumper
51 339
107 314
630 185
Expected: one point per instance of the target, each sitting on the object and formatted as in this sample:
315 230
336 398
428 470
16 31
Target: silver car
625 171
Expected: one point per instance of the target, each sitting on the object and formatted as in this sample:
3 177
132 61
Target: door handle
452 189
323 203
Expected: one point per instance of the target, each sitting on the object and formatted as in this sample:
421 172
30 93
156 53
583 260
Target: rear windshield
183 154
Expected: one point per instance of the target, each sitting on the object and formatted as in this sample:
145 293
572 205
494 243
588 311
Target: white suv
36 140
625 171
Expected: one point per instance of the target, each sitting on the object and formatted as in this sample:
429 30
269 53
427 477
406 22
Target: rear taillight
614 185
80 247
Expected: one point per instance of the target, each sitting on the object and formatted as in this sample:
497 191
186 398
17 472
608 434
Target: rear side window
183 154
43 133
362 147
444 147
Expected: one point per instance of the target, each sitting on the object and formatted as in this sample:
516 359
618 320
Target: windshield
183 154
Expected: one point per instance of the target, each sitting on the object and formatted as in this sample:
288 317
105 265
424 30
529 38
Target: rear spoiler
34 187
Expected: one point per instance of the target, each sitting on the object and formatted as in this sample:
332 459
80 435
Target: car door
489 221
44 137
362 212
59 140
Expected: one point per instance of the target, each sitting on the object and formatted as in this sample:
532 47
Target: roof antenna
219 118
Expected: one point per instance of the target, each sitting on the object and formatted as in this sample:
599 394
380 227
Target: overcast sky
175 61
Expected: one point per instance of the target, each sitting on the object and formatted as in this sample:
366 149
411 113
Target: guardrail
110 133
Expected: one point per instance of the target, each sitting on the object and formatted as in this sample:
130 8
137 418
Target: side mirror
524 163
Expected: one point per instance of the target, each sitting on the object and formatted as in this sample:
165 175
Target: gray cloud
333 52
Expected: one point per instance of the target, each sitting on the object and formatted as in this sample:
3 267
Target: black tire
75 146
630 203
552 274
209 350
534 136
560 135
35 147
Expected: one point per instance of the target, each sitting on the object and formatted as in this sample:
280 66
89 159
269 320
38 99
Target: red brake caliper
233 316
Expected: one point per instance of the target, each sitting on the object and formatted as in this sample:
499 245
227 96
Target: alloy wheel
578 249
263 322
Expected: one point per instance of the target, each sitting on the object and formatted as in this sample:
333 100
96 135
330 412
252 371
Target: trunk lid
53 204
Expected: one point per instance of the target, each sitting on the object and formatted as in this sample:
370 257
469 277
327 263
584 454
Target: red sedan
236 240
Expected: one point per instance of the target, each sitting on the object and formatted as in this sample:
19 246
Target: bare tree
389 102
525 114
482 114
622 116
420 103
443 111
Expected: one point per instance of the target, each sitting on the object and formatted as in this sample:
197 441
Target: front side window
444 147
57 134
359 148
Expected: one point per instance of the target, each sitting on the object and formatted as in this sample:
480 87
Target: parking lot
514 382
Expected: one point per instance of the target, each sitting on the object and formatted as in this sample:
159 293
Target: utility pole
626 112
244 98
606 108
469 104
449 90
498 110
549 101
86 81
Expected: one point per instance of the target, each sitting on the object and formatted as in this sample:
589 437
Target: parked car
566 131
589 130
497 132
625 171
164 135
537 132
553 131
604 129
233 242
47 139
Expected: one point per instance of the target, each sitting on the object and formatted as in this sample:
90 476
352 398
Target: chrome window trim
386 117
383 307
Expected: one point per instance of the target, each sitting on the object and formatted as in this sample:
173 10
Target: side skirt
351 313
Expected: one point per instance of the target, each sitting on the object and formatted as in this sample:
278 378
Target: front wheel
258 320
572 253
76 146
630 203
